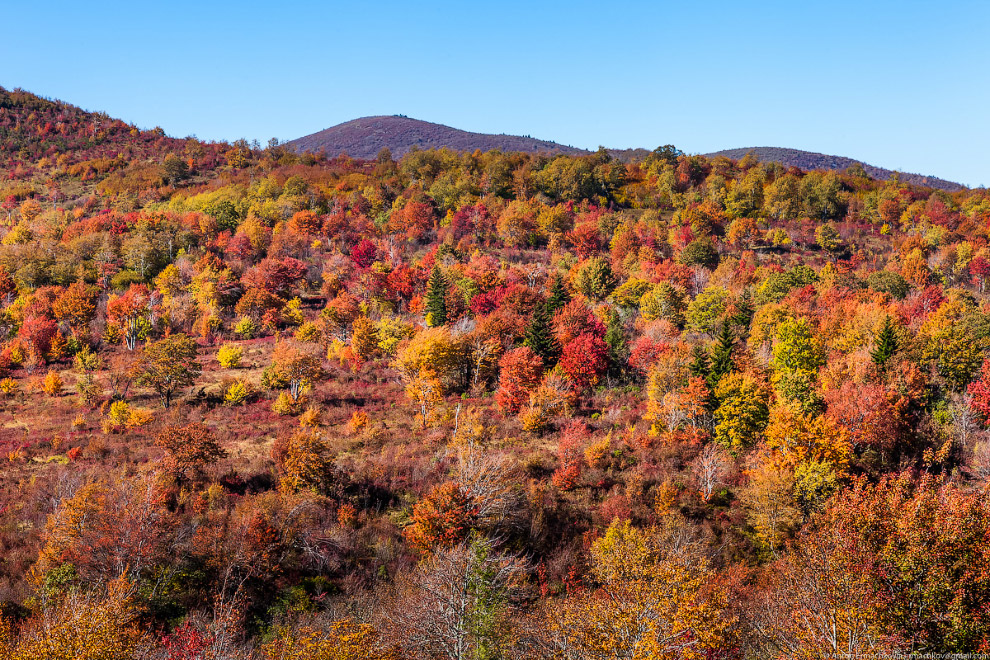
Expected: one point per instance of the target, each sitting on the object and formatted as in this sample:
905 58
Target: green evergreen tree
615 338
558 296
436 298
540 338
700 365
744 312
722 363
886 344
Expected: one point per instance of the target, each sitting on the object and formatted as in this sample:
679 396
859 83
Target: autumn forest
264 404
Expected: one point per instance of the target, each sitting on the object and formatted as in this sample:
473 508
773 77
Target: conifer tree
722 363
700 365
540 337
744 312
558 296
886 344
436 298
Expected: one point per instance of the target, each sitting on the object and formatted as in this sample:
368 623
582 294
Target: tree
585 360
442 519
304 461
455 604
595 278
364 338
558 296
817 601
980 269
295 367
436 298
276 276
828 239
742 411
926 583
189 450
769 502
132 312
174 169
722 363
710 468
796 360
76 306
341 640
540 337
520 371
169 365
699 252
655 596
704 312
82 627
886 344
664 301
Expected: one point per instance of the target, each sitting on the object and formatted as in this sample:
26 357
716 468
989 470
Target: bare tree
456 603
710 468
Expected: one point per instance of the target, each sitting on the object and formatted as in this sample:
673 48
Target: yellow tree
656 597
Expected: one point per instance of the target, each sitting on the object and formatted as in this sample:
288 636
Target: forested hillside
263 404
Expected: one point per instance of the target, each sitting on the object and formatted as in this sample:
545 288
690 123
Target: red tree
521 369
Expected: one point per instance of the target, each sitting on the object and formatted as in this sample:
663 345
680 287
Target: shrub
230 356
52 384
245 328
285 405
237 393
9 386
308 331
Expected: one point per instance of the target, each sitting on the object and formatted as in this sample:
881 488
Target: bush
237 394
230 356
245 328
308 332
285 405
52 384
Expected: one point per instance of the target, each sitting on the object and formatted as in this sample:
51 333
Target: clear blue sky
904 85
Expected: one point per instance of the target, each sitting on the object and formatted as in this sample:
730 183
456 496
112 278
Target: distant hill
365 137
809 160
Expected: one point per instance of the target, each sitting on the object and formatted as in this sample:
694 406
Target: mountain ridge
811 160
364 137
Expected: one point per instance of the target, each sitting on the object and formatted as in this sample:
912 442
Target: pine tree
436 298
540 338
744 312
700 365
886 343
722 363
558 296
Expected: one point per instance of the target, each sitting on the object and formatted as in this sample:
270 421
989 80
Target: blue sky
903 85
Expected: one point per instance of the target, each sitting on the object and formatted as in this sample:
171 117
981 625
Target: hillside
258 404
33 127
365 137
809 160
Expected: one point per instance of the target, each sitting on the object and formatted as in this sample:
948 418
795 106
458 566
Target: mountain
365 137
809 160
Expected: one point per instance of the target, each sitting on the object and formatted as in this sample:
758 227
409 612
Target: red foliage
276 276
521 369
443 518
585 360
363 254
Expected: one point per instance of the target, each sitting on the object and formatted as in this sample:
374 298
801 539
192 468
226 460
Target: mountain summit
365 137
